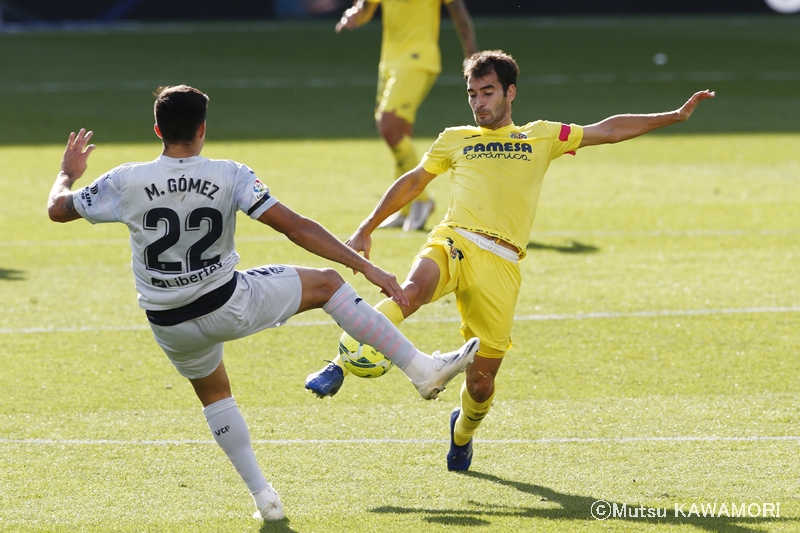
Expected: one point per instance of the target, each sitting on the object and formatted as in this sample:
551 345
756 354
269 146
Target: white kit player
181 210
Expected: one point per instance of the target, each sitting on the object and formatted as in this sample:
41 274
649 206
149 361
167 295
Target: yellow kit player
409 65
497 171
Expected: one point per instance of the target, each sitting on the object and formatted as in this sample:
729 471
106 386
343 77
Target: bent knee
481 391
393 128
417 297
391 135
331 280
319 285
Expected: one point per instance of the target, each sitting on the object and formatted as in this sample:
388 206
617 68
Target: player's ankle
419 367
338 362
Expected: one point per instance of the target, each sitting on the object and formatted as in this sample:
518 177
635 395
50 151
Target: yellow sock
391 310
405 158
387 308
472 413
338 359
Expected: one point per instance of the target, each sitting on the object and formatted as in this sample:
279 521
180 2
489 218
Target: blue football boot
327 381
459 457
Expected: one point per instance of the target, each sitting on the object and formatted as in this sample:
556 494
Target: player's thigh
435 272
382 78
403 92
193 354
488 302
421 283
265 297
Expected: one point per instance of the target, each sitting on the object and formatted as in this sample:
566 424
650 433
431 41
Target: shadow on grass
276 526
572 247
12 275
578 508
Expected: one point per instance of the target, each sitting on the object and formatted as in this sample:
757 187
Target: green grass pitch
656 347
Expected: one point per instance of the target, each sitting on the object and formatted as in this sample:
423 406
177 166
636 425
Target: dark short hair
180 110
481 64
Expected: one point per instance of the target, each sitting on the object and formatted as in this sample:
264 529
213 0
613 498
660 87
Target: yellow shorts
402 91
486 287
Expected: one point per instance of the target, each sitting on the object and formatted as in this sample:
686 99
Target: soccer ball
362 360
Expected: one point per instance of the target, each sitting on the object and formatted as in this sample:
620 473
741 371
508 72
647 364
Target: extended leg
230 430
429 374
397 132
477 394
419 287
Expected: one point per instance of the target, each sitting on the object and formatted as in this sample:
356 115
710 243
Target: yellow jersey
411 34
497 174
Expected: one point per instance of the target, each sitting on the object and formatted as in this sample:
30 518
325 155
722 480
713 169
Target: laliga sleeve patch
260 190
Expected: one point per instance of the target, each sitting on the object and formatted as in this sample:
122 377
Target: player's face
491 108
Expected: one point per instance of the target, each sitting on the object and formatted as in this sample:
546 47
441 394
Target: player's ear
511 92
201 131
157 130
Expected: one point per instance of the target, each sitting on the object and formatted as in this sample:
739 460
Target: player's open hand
387 283
73 164
688 108
360 241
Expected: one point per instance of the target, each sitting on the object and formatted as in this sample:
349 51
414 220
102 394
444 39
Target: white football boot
393 221
446 366
418 216
271 508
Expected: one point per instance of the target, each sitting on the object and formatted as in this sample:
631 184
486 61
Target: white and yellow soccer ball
362 360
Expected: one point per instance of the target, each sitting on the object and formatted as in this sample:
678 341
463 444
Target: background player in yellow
497 171
409 65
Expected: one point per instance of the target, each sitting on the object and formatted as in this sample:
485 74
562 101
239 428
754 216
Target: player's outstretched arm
311 236
404 190
464 27
359 14
60 206
623 127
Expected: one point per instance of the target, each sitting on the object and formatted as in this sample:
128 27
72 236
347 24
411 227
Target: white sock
418 369
368 326
229 429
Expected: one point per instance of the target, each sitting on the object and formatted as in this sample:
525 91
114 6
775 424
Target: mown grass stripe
44 87
407 235
519 318
293 442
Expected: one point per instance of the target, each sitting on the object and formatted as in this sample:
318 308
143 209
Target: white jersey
181 214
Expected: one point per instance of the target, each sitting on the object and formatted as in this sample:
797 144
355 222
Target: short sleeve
436 160
100 201
252 195
566 138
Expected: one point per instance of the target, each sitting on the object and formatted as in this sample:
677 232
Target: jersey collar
174 162
504 129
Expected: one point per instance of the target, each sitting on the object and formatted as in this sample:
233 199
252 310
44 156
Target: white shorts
265 297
